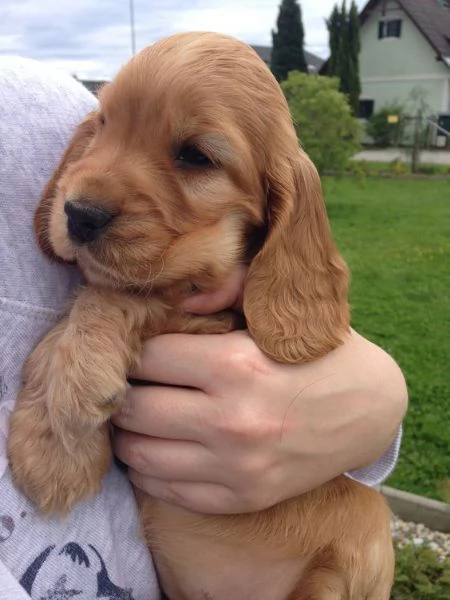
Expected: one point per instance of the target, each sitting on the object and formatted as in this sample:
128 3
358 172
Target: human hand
240 432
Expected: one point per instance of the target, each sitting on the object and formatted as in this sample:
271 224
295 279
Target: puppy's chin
97 273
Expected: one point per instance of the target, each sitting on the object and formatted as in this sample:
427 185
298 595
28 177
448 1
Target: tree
354 47
419 108
335 38
323 120
287 42
345 46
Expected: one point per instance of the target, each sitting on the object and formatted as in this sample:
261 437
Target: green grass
395 236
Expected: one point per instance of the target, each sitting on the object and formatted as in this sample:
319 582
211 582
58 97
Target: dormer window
390 29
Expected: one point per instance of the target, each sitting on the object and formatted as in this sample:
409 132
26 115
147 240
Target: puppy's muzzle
86 223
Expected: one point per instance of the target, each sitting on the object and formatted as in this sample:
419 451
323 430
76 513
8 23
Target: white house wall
391 68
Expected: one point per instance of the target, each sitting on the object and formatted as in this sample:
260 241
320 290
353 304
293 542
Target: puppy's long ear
295 297
75 150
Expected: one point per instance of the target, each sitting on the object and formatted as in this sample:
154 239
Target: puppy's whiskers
98 267
147 286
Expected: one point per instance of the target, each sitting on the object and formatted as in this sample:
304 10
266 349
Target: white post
132 29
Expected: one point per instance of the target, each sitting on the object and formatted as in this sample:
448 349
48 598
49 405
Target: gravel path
418 534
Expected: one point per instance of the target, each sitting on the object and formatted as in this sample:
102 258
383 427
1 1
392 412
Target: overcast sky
91 38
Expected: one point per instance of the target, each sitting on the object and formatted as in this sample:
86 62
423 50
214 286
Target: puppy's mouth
95 271
92 260
86 225
103 257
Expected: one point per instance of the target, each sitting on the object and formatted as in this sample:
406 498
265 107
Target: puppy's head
190 166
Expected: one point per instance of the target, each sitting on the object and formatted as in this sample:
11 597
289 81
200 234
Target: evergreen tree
333 25
345 46
354 40
287 42
345 61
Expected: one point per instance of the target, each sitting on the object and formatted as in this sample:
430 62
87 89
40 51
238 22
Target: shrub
382 132
420 575
359 168
323 120
434 169
398 167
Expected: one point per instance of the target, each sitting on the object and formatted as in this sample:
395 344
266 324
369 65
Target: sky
92 38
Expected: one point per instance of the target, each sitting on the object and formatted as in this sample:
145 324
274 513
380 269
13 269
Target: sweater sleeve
380 470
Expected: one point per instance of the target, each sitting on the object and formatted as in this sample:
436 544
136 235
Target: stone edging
410 507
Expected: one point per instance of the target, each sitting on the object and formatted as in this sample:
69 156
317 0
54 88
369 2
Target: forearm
356 402
385 402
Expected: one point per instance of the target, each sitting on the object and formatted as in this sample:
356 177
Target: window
389 29
366 108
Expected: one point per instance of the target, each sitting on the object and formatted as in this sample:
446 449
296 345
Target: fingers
167 460
167 412
170 359
205 498
229 296
197 361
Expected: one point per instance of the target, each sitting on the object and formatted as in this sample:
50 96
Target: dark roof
429 16
265 52
92 86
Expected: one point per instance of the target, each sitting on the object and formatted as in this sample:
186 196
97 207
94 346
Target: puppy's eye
101 119
190 156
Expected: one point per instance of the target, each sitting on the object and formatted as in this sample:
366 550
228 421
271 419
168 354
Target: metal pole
132 29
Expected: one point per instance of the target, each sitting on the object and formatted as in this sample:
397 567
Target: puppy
190 167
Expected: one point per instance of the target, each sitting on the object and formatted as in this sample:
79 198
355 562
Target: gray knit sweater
97 552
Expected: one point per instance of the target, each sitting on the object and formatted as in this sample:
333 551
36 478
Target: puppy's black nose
86 223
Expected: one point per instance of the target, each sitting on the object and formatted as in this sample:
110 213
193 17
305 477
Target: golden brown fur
178 227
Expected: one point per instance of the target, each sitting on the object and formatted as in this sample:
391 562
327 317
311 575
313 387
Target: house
314 62
92 85
405 45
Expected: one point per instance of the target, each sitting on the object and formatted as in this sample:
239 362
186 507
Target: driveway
433 157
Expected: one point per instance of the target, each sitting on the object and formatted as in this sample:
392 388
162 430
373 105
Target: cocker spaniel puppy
190 167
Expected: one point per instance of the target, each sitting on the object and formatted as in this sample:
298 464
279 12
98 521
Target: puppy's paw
82 401
54 472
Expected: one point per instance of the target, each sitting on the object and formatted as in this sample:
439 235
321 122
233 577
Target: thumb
227 296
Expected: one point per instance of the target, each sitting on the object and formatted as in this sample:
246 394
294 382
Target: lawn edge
418 509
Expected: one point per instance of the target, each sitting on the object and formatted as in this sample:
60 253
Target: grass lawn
395 236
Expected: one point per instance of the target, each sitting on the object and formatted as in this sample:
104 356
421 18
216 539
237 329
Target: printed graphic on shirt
60 592
73 571
7 527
